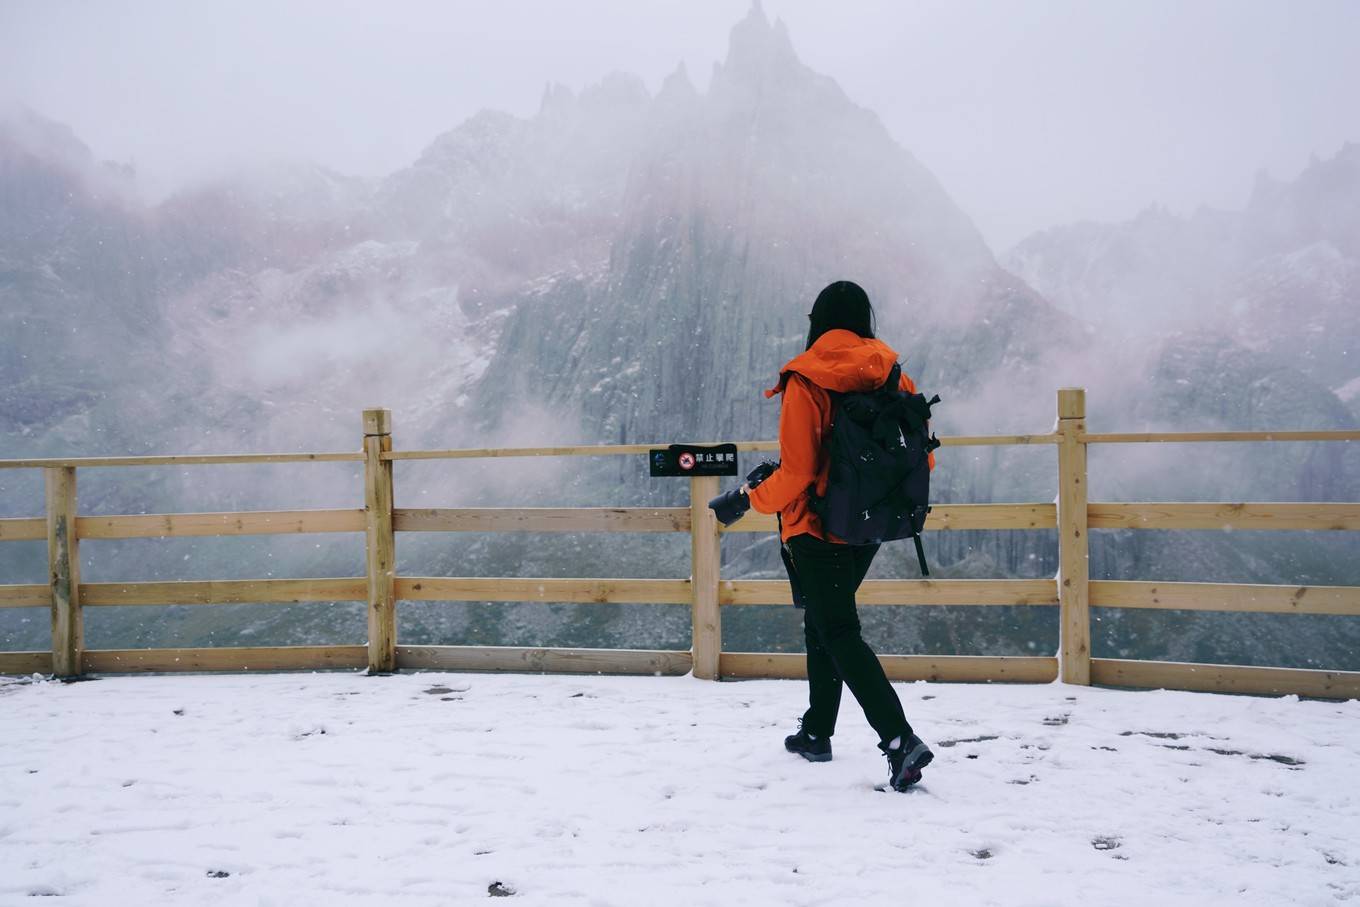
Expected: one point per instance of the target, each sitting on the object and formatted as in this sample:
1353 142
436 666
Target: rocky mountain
738 207
1246 320
74 277
1280 277
1243 320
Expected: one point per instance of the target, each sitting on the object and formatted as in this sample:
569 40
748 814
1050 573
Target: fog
1031 114
471 218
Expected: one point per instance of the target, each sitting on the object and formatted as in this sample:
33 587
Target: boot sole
814 757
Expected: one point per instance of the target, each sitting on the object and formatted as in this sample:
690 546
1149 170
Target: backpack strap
787 557
920 554
894 378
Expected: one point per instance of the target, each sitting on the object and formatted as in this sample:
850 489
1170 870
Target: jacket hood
841 361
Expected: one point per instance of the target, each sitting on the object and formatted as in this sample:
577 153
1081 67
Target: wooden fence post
705 559
1074 568
63 572
381 543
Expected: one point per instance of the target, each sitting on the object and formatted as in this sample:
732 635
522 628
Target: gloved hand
760 473
730 506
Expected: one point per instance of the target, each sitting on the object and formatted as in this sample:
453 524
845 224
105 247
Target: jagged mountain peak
677 86
556 97
486 133
1338 174
29 140
759 49
616 89
26 129
1264 187
484 128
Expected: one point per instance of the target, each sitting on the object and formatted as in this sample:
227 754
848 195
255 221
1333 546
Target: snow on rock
1350 391
436 789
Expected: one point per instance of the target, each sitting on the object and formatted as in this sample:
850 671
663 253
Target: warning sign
694 460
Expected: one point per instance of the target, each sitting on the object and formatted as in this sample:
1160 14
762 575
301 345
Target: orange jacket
839 361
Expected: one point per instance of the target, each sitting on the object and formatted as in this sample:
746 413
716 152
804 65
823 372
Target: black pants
828 576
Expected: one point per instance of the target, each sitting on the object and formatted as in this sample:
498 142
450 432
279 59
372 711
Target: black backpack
878 485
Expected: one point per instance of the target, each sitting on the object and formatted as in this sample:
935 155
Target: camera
731 506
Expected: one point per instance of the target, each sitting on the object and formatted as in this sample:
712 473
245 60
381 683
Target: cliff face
74 277
739 207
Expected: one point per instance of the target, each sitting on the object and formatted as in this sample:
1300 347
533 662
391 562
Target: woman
841 355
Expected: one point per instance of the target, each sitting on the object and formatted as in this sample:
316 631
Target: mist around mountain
625 267
1279 278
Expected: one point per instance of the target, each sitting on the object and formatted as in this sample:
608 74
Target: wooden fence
706 594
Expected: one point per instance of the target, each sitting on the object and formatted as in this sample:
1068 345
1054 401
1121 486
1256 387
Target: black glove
760 473
730 506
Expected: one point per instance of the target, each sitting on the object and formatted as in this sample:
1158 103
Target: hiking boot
818 750
906 761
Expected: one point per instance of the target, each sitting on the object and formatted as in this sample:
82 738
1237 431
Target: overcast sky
1031 113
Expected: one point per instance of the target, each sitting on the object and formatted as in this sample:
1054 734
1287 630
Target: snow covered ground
439 789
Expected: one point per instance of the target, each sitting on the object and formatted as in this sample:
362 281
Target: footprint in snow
1272 757
442 689
1160 735
946 744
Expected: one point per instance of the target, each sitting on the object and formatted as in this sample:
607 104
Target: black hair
845 305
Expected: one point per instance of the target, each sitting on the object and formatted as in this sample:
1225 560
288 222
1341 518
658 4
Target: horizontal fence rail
223 592
544 519
1206 678
1072 592
194 460
201 592
1343 600
1224 516
585 591
170 525
559 661
905 592
1199 437
943 517
26 596
23 530
943 668
605 450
